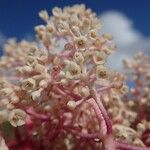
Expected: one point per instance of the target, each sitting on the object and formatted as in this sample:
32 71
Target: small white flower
92 35
44 15
81 43
75 30
26 69
124 89
71 104
82 91
78 57
101 72
28 84
40 28
39 68
56 11
99 57
50 27
31 60
74 21
62 27
17 117
36 94
98 42
6 91
73 71
85 25
43 83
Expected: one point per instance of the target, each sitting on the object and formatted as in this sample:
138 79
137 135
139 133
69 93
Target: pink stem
104 112
32 112
105 88
102 123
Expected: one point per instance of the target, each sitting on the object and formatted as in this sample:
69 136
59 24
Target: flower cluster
140 94
59 93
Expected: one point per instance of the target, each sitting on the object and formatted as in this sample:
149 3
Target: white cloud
127 38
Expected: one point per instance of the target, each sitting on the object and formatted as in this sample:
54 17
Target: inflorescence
58 93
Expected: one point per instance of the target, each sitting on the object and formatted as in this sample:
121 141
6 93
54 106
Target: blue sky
18 17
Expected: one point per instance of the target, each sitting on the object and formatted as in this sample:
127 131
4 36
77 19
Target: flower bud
101 72
78 57
56 11
75 30
81 43
36 94
28 84
6 91
71 104
44 15
17 117
141 127
43 83
99 58
39 68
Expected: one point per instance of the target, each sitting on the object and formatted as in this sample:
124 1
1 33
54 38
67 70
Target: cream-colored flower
33 51
40 28
124 89
72 70
138 142
3 83
99 57
44 15
82 91
85 25
36 94
74 21
57 12
141 127
102 72
124 132
17 117
75 30
71 104
98 42
62 27
39 68
88 55
6 91
78 57
43 83
31 60
14 98
92 35
26 69
50 27
81 43
28 84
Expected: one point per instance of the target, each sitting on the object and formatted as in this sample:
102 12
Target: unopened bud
71 104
